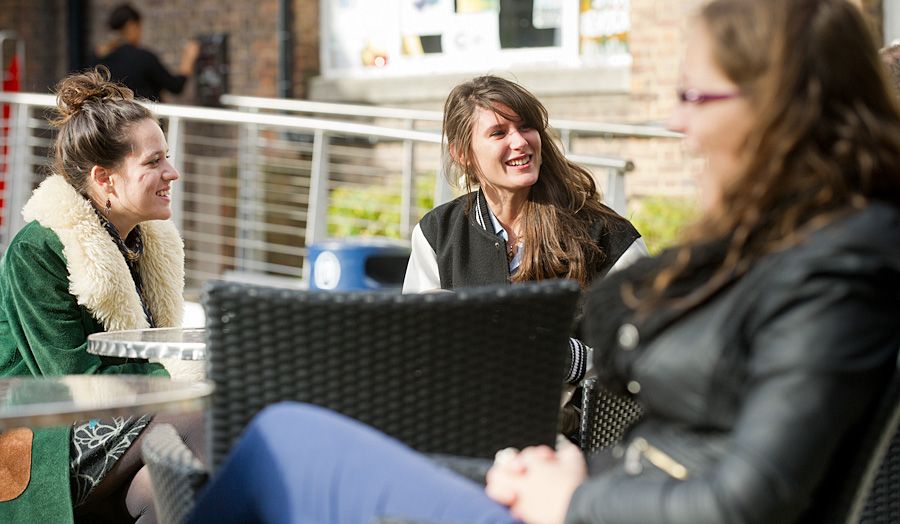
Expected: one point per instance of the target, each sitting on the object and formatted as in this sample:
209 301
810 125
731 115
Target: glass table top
63 400
180 343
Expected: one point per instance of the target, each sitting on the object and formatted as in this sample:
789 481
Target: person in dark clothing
137 68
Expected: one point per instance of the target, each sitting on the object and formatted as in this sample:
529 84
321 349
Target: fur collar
98 275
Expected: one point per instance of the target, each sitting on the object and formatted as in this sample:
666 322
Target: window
412 37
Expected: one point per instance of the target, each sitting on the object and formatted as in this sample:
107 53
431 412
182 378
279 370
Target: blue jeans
299 463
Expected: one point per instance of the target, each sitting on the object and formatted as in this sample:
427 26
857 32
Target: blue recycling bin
358 263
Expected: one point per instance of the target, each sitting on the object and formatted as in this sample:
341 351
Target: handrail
251 146
307 106
296 122
602 161
278 104
620 130
231 116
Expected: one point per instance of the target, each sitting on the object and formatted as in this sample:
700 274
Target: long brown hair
826 136
94 119
563 203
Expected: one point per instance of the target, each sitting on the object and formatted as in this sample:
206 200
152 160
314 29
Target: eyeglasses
697 97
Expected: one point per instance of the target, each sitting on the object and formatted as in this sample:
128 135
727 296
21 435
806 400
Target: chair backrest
863 486
605 417
462 373
177 475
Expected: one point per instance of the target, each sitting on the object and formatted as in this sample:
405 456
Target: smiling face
715 127
142 184
507 152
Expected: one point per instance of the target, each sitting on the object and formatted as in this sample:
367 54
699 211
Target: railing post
565 139
249 203
10 147
408 194
317 210
443 192
19 182
615 190
176 141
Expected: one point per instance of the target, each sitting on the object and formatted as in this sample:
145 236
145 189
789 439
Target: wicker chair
460 374
177 474
605 417
863 484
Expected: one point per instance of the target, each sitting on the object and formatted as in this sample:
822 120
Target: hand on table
537 483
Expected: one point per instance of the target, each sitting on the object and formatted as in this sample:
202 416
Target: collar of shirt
498 229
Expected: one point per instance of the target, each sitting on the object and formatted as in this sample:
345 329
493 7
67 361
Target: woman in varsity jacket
534 215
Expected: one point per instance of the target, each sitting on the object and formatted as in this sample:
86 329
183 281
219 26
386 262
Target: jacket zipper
639 447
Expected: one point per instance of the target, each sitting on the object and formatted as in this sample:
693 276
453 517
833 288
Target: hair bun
93 86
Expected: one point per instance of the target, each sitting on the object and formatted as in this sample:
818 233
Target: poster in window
477 6
424 17
547 14
362 34
604 27
422 22
471 34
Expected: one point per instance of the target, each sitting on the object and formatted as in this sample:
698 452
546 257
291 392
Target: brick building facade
655 42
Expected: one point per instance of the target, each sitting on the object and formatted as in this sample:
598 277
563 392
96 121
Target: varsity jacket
455 245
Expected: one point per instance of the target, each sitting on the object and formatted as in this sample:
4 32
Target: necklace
512 247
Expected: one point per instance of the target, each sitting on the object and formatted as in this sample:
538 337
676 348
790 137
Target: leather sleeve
822 340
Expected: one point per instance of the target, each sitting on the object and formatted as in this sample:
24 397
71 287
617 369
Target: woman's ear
102 178
456 155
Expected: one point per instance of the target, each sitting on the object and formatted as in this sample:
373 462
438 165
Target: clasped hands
537 483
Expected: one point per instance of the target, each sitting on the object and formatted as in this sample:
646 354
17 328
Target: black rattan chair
605 417
863 483
459 374
177 474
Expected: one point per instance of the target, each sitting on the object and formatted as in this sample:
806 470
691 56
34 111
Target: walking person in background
98 253
136 67
759 347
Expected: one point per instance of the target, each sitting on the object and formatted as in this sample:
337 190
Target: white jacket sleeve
636 251
422 272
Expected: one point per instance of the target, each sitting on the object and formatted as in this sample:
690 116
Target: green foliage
662 219
374 210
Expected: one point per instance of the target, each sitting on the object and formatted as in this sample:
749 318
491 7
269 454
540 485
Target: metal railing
258 188
415 118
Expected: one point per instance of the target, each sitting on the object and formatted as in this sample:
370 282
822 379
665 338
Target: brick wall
252 33
306 44
658 28
656 39
33 21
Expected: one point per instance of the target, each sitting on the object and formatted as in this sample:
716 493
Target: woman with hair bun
98 253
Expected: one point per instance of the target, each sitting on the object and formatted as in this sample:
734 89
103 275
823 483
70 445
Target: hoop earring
108 206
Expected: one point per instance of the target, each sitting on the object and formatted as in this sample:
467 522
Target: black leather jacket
750 396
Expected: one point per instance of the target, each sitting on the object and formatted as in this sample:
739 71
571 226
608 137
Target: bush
661 219
374 210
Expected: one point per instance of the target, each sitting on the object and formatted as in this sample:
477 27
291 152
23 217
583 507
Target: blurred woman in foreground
757 347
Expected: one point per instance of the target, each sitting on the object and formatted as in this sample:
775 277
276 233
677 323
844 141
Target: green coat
62 278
